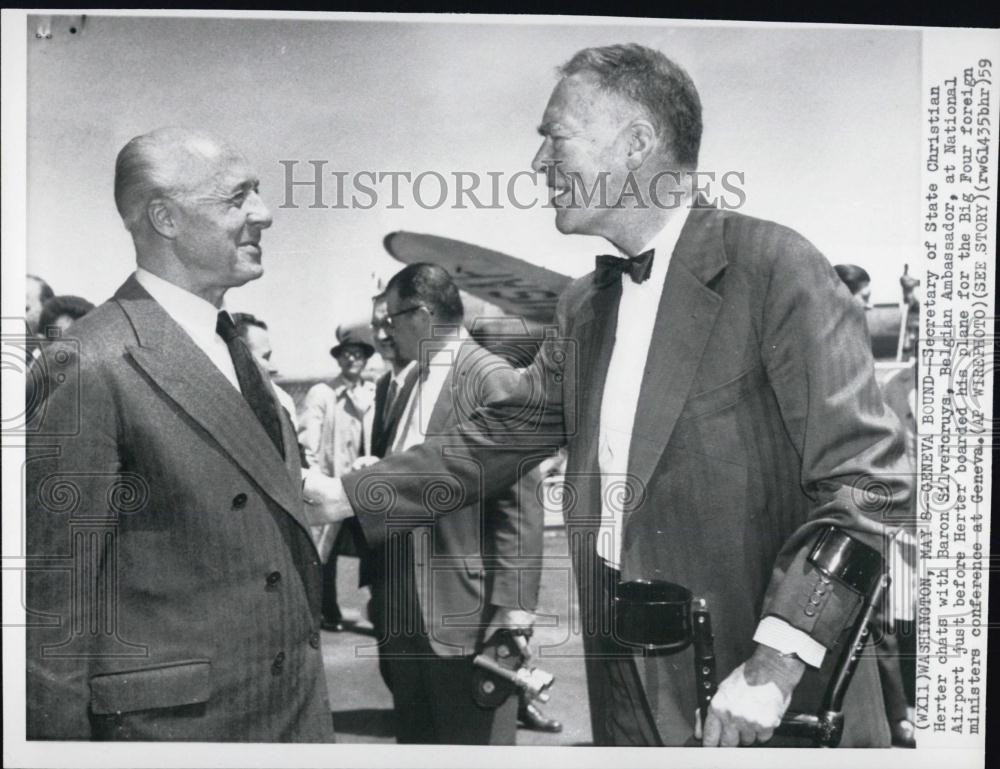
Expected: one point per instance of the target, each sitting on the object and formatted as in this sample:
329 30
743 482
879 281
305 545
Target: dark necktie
609 268
390 399
394 406
256 391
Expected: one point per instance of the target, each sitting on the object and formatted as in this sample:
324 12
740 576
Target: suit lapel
398 405
179 368
684 322
379 419
444 406
594 332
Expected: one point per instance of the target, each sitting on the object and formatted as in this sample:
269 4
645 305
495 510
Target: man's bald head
167 162
192 204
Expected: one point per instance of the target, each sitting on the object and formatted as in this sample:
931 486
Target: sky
823 123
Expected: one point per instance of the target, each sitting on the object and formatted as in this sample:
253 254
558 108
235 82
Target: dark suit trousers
619 712
895 649
432 694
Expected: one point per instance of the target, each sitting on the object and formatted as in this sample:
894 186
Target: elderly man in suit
717 395
174 588
449 580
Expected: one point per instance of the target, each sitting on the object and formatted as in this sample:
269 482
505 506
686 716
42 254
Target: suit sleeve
512 424
72 477
513 532
854 466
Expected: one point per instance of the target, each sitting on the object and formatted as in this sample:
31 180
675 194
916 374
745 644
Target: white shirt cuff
779 635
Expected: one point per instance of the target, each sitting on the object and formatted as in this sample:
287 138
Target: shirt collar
665 241
453 343
400 378
189 310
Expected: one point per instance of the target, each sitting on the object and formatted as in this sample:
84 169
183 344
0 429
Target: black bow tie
609 268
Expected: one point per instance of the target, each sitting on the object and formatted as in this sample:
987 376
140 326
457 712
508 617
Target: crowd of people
712 388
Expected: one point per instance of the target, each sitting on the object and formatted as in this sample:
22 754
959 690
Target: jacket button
273 578
278 664
239 501
314 639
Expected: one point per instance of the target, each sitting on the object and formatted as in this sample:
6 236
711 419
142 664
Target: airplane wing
528 292
514 285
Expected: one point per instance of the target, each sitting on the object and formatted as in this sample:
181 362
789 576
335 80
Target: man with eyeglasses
392 390
449 580
334 430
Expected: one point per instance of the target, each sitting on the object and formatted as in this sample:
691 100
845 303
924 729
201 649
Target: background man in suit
60 312
175 594
392 391
454 579
389 400
389 403
37 292
253 331
57 314
756 419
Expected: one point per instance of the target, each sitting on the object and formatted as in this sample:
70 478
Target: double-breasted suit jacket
759 420
174 588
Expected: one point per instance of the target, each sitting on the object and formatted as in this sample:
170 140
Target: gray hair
652 81
148 166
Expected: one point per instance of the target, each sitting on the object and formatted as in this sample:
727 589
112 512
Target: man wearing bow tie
714 385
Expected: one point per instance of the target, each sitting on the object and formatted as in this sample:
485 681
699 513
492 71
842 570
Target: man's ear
641 142
161 214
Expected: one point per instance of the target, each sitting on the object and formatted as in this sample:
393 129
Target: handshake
324 497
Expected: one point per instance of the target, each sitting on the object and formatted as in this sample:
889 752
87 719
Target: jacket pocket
724 395
165 686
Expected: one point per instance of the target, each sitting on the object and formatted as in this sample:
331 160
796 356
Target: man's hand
324 497
512 619
362 462
752 699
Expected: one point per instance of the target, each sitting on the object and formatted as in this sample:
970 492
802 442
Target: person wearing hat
334 430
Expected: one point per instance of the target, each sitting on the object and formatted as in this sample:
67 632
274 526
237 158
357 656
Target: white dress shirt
633 334
195 316
399 380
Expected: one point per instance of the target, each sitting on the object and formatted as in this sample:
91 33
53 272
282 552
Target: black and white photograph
514 386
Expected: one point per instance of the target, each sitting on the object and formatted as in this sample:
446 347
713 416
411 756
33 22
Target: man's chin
563 221
247 273
569 222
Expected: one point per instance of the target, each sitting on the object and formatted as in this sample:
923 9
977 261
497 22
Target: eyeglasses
389 323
